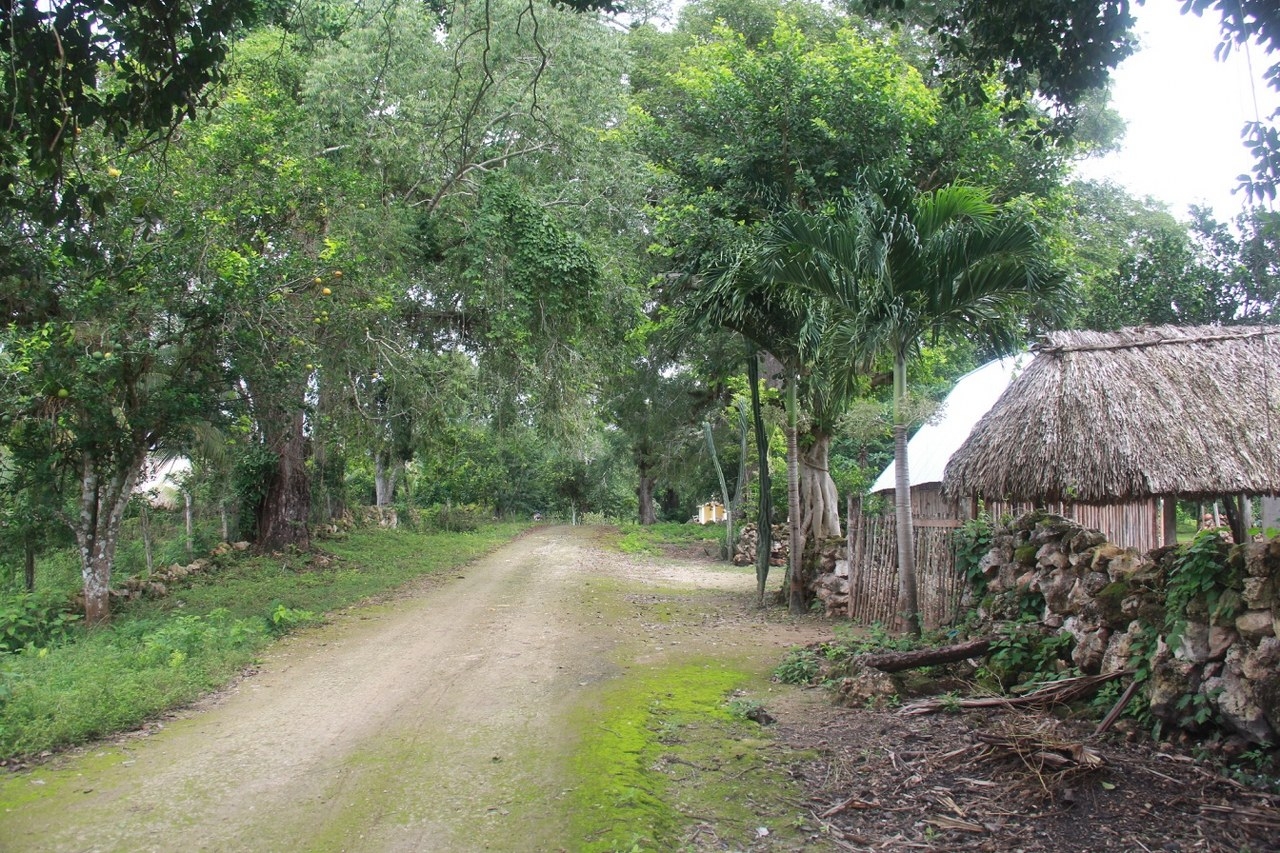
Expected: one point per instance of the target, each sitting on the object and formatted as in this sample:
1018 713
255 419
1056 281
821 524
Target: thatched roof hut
1107 417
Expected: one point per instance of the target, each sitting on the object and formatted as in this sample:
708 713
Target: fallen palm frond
1051 693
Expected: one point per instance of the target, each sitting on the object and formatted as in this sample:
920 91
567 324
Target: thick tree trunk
644 493
797 598
385 474
286 507
818 498
97 530
908 604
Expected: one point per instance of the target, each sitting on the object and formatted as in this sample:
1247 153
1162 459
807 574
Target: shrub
972 543
1024 653
32 619
458 519
800 666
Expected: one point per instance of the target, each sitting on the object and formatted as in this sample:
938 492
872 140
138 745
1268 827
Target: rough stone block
1221 638
1170 680
1238 703
1123 566
1256 664
1084 540
1259 593
1103 555
1119 649
1256 559
1056 588
866 686
1090 645
1254 625
1052 556
1096 582
1193 646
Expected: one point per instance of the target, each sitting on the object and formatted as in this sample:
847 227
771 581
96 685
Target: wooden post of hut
855 538
1169 520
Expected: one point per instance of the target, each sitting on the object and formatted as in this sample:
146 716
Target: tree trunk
385 474
286 507
144 519
1235 518
97 531
764 514
898 661
818 498
644 493
740 489
29 566
188 514
724 491
795 552
908 604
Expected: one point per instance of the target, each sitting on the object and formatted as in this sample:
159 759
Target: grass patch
160 654
652 540
667 749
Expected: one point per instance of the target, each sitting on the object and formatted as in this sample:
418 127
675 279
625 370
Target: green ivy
1023 654
1199 571
972 543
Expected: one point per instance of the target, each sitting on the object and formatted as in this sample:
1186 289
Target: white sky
1184 112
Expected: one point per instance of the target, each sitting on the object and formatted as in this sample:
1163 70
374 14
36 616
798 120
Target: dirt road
435 722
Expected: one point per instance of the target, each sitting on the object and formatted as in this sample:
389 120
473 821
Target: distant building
711 512
160 481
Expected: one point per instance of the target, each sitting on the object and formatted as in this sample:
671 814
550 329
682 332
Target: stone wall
1205 666
830 583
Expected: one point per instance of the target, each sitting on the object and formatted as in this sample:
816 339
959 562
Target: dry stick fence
873 569
873 543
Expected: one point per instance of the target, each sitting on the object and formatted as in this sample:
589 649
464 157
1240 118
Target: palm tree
900 265
784 323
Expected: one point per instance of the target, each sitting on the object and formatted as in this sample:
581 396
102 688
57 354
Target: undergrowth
649 539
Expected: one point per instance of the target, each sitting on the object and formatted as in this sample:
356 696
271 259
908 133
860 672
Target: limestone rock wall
1217 660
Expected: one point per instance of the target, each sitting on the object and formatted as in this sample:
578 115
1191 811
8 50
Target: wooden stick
1117 709
898 661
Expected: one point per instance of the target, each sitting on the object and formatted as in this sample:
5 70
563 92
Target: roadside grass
669 749
649 540
161 654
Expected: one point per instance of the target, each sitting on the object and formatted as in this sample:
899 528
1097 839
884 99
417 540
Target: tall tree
903 266
115 359
781 105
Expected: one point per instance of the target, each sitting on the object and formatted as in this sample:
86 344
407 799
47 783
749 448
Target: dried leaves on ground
1006 779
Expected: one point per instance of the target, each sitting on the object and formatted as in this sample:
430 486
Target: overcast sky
1184 112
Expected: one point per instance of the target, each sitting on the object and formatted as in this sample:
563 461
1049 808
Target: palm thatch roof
1104 417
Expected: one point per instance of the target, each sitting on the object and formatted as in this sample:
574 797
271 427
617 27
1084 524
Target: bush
800 666
459 519
1024 653
33 619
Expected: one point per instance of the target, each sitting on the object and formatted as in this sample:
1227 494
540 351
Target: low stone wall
1204 664
744 552
830 583
156 585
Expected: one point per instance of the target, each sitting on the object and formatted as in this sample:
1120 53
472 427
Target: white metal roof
931 447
